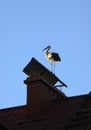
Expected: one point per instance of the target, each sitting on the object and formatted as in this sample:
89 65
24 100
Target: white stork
51 56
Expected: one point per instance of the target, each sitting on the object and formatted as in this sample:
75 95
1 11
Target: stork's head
47 48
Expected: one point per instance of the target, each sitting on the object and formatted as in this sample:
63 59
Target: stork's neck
47 49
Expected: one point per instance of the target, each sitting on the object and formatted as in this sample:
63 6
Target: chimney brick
39 94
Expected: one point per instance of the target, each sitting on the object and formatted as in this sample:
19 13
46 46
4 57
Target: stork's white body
49 56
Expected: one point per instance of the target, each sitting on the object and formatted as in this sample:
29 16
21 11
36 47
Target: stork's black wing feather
56 57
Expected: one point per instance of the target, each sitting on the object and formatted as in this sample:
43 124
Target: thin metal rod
51 66
54 67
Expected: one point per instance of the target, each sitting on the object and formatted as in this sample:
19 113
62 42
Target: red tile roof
68 114
9 117
2 128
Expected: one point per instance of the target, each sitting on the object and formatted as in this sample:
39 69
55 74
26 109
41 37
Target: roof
66 114
2 128
47 108
9 117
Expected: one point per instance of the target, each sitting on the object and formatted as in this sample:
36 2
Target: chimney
39 94
40 88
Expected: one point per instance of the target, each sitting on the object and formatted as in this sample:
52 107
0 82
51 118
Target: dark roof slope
73 113
2 128
10 117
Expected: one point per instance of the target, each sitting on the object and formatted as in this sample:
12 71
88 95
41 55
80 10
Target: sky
27 27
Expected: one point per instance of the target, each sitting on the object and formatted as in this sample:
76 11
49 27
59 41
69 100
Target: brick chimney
40 88
39 94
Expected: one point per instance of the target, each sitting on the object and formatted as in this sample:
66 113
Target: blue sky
28 26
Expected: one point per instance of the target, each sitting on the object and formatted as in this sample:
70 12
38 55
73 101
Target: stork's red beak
46 48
